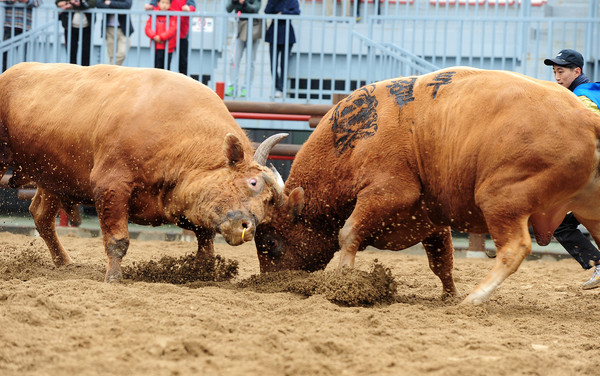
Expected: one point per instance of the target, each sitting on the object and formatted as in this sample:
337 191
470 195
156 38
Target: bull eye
253 182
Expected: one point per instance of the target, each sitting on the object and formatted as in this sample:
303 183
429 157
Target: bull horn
262 151
278 176
278 189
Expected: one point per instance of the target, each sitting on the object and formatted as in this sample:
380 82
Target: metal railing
336 54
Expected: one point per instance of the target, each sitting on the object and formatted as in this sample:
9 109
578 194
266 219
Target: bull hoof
472 301
449 296
62 262
113 278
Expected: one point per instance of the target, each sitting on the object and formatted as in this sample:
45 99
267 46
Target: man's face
565 76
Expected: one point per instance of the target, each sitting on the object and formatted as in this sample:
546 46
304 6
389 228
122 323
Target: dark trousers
7 35
578 246
85 45
159 59
183 55
278 61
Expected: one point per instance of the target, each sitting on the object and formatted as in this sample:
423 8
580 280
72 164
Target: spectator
241 7
184 24
568 72
117 27
344 5
17 19
280 49
72 22
164 36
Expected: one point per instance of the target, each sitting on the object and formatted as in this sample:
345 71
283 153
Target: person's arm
228 7
251 6
151 5
589 104
171 30
31 3
191 6
115 4
271 7
291 7
149 31
63 4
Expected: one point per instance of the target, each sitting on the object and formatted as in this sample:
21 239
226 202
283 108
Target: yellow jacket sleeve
589 104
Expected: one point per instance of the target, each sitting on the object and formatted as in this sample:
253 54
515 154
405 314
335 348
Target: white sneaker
278 94
594 281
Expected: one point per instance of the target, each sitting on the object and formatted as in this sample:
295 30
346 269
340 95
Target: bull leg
73 212
349 243
44 208
440 253
205 239
385 200
513 244
112 205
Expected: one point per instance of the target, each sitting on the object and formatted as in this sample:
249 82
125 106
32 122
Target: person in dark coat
568 72
72 22
280 49
118 26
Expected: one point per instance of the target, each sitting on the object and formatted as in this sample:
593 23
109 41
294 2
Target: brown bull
405 160
142 145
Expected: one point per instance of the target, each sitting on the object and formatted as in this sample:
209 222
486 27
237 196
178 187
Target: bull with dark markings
402 161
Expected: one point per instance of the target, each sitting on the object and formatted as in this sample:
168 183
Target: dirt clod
349 287
182 270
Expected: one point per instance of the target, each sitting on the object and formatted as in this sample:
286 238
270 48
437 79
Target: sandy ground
68 322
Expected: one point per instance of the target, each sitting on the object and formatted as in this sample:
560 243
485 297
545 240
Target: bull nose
238 227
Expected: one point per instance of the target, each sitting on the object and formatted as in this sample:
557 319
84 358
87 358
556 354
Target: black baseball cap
566 57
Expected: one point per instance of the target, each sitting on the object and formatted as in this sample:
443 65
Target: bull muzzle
237 228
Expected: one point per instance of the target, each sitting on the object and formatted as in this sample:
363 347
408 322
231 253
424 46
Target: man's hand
64 5
147 6
185 8
157 39
107 2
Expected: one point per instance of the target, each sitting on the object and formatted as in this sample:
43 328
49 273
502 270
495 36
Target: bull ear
232 147
295 202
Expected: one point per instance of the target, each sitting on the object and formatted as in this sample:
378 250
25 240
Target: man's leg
580 247
86 46
122 46
110 44
183 55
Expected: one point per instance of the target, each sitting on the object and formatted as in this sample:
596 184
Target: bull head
288 242
238 225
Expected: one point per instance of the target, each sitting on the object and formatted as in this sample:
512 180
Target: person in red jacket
184 25
165 35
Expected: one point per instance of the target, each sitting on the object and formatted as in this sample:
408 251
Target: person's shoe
243 93
278 94
594 281
229 92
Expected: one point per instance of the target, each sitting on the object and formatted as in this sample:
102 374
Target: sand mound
182 270
349 287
